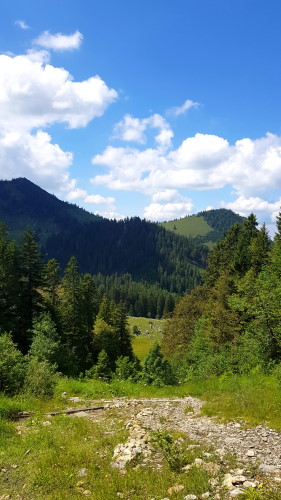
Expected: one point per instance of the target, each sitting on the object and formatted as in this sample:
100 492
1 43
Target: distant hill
23 203
206 227
143 249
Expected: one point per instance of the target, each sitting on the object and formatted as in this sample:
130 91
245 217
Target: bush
40 378
127 369
156 370
101 370
12 366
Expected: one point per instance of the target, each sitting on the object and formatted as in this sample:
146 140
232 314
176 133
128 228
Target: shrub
127 369
101 370
40 378
12 366
156 370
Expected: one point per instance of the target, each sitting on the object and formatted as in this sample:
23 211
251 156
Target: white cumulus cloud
76 194
33 95
58 41
34 156
201 162
245 206
167 211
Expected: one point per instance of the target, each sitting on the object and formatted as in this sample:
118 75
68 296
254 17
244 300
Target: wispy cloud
58 41
133 129
22 24
180 110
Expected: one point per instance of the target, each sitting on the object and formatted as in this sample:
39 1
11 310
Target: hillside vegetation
132 246
207 227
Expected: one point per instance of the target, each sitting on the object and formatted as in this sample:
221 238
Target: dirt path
254 445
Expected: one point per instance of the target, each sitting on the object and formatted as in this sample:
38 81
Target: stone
211 467
190 497
175 489
249 484
205 495
46 423
228 482
187 467
86 493
250 453
239 479
268 469
236 493
82 472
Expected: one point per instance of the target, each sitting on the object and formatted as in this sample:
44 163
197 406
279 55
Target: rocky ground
257 450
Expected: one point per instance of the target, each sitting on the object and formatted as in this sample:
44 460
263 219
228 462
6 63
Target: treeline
63 317
145 250
220 221
52 324
233 322
140 298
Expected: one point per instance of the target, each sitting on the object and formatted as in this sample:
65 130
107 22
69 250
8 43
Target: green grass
96 389
151 332
190 227
43 462
255 398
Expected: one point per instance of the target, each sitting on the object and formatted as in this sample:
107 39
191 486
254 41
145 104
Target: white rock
236 492
250 453
190 497
249 484
82 472
268 469
205 495
228 482
239 479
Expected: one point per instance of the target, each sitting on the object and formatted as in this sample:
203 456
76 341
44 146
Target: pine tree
121 326
52 280
9 283
156 370
30 280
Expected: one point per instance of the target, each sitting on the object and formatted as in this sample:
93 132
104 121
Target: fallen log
72 410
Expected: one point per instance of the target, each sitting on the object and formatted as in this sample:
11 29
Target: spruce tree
30 281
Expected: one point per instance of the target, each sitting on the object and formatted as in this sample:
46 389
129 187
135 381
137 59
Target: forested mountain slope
22 204
143 249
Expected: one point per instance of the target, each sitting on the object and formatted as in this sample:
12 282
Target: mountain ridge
146 250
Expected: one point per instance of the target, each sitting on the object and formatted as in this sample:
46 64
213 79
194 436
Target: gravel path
259 444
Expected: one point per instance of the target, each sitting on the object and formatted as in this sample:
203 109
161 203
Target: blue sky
150 108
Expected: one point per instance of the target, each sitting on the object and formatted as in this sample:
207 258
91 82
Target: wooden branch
73 410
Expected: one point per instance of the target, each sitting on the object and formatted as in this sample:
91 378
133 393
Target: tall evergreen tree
9 283
30 281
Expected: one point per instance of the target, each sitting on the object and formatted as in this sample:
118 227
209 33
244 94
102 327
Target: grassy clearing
151 332
188 226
